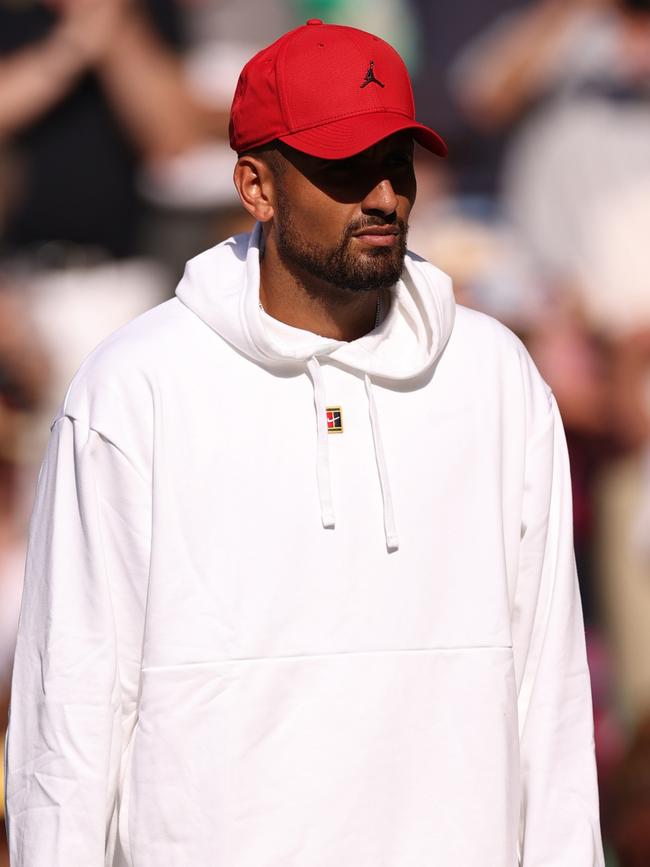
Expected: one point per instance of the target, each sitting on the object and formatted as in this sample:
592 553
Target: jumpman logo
370 76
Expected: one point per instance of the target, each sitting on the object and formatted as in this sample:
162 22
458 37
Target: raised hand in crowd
141 77
519 58
37 77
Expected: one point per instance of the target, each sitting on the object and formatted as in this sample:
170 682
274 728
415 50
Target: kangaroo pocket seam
325 654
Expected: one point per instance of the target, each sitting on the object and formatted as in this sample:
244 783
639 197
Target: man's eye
402 160
337 171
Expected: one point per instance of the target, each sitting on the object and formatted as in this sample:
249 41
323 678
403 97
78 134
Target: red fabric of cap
328 90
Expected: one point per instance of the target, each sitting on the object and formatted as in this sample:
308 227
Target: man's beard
375 268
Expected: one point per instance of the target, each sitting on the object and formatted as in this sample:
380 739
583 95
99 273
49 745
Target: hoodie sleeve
77 662
559 820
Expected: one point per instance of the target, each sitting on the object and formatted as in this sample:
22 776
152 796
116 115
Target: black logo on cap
370 76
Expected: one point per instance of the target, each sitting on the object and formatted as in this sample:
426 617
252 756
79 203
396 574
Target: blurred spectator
444 29
578 73
87 88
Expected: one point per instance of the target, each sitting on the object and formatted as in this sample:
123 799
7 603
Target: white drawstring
322 459
390 530
323 463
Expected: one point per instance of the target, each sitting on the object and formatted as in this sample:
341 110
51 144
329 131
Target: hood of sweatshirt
221 286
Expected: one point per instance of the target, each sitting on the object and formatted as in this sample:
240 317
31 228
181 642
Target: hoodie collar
222 286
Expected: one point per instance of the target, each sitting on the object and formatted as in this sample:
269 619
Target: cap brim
343 138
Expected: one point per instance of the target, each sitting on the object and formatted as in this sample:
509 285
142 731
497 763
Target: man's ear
254 182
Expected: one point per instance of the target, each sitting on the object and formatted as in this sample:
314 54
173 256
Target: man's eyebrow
322 163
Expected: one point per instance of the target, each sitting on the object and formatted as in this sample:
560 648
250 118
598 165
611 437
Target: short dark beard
375 269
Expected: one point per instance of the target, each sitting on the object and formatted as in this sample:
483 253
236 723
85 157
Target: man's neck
312 305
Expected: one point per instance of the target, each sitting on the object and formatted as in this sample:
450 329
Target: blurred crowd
115 168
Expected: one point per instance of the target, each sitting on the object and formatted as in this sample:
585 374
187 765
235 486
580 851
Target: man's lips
378 236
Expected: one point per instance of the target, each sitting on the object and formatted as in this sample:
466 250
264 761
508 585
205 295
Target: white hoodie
246 642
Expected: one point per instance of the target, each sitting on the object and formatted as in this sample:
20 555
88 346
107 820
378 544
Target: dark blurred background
115 168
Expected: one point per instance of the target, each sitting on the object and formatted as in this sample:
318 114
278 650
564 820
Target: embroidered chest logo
370 76
334 419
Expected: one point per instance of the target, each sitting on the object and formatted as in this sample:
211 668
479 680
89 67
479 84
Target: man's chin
379 267
372 279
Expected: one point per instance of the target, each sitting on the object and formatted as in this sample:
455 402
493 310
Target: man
301 587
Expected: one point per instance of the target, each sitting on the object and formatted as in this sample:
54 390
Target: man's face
344 222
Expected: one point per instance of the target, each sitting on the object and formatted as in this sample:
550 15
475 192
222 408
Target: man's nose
381 198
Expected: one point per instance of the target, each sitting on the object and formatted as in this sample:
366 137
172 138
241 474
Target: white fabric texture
211 672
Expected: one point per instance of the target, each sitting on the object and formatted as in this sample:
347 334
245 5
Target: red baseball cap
326 90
